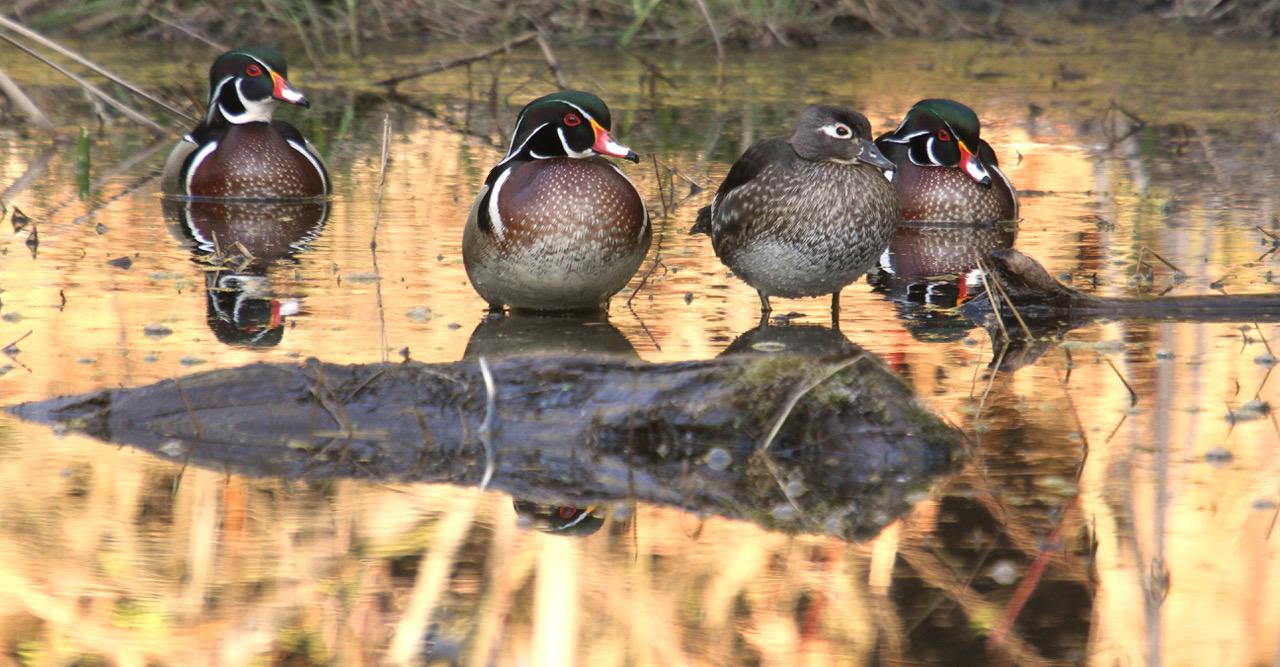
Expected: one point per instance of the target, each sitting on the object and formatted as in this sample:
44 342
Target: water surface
1151 512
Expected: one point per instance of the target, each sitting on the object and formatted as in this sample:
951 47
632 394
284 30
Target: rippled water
1150 512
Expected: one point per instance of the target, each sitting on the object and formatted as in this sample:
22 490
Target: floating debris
19 220
362 277
156 330
191 361
12 318
33 241
1248 412
1101 346
1219 457
121 262
420 314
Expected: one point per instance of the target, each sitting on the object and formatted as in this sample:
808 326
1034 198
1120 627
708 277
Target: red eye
944 135
253 70
567 512
572 119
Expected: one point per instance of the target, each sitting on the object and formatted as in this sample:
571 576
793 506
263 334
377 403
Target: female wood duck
944 171
556 227
238 151
806 214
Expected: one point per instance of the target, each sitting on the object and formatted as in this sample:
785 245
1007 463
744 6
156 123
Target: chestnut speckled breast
556 226
943 170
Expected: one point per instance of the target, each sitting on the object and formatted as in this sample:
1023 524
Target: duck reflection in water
239 242
809 340
522 333
930 268
557 518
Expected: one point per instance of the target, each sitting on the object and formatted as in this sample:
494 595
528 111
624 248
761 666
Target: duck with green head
556 226
239 151
943 170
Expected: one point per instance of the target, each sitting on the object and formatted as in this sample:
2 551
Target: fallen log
846 442
1048 308
1038 296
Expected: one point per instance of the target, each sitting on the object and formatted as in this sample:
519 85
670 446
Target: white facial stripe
516 150
254 112
213 97
904 139
495 218
199 157
315 161
834 131
932 156
569 151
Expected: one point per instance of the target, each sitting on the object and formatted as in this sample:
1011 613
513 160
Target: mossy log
853 442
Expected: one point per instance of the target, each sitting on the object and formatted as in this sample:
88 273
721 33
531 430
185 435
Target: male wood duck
556 226
806 214
944 171
239 151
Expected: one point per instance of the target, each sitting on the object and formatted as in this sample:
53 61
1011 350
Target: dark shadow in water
518 334
929 269
237 243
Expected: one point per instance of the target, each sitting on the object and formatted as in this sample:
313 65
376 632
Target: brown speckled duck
557 227
806 214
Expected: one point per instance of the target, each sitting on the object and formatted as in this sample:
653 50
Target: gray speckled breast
572 233
944 194
808 230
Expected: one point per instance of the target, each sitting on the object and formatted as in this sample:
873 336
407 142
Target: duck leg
835 310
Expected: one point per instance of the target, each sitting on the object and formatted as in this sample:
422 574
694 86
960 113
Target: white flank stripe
314 160
495 218
199 157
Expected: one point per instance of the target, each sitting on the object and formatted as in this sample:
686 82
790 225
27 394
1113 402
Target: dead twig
373 241
114 78
195 441
442 65
711 24
550 56
1025 329
1133 395
24 103
808 386
189 32
128 111
486 426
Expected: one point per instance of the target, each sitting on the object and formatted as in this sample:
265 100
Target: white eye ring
837 131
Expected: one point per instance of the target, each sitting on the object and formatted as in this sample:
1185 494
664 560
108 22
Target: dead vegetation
743 23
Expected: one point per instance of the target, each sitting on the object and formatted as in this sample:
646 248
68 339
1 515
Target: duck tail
703 225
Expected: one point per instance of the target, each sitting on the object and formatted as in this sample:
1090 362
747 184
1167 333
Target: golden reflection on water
101 559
